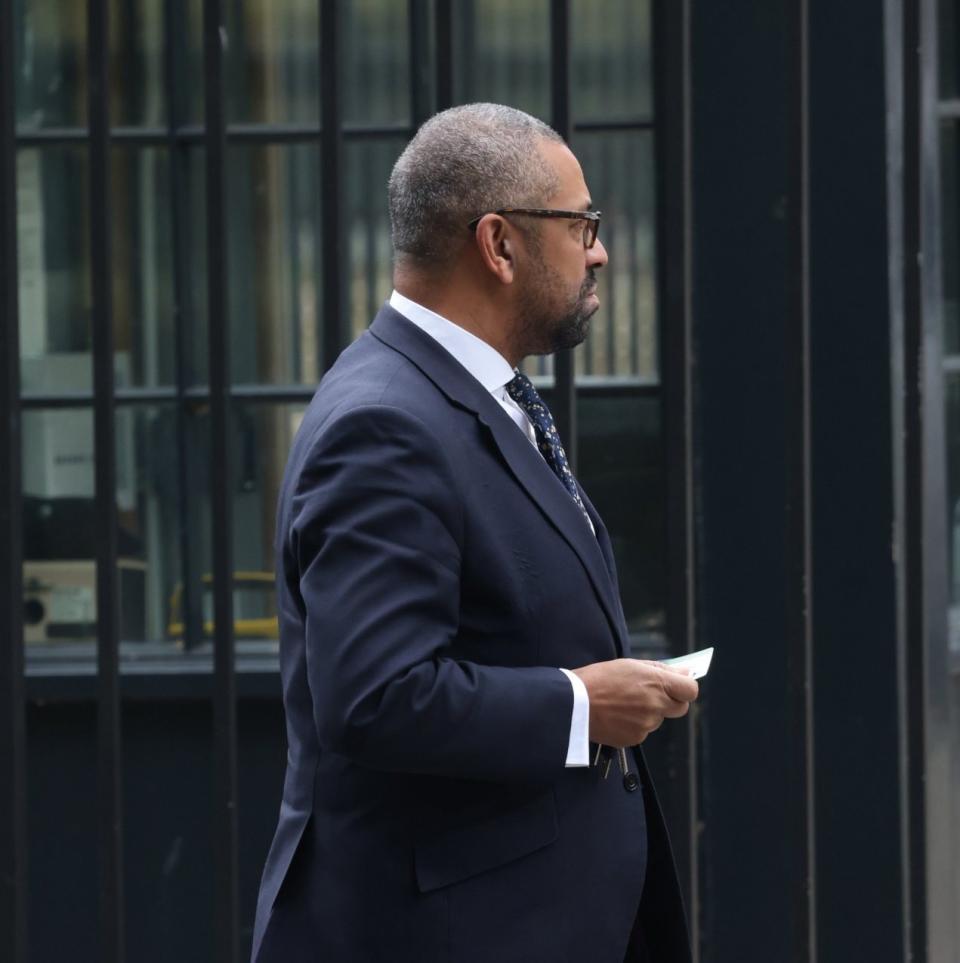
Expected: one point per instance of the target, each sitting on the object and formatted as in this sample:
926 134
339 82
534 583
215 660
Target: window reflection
274 224
261 435
610 59
623 333
54 269
53 249
272 61
148 507
144 293
502 54
50 63
377 60
368 166
59 527
60 524
137 88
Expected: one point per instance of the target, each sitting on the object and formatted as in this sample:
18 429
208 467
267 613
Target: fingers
678 684
676 710
630 698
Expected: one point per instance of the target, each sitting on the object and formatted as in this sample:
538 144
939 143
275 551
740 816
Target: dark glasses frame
590 229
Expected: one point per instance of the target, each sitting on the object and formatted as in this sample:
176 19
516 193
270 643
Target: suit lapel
526 464
606 550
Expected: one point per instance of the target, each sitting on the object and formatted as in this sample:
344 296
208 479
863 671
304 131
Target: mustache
589 284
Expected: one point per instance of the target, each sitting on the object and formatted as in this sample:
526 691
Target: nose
597 255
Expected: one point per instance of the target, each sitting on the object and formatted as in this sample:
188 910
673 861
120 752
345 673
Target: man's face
558 296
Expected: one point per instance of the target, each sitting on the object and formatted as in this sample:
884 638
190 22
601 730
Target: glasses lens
590 229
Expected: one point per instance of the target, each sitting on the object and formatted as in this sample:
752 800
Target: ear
496 245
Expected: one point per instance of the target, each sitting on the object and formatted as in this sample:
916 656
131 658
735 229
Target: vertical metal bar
672 146
226 912
108 621
335 251
565 404
179 215
913 624
798 489
13 776
419 25
443 38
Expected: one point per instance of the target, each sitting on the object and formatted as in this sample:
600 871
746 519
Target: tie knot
521 389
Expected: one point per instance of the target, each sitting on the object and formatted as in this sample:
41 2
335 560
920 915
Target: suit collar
482 360
526 464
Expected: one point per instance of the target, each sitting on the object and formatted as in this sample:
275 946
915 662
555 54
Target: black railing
109 730
13 803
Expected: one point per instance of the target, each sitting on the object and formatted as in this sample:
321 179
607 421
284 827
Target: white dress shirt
493 371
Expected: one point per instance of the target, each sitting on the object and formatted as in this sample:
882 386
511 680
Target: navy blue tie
548 441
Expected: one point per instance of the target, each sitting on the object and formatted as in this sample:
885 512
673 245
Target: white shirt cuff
578 748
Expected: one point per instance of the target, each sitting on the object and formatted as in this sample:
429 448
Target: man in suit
453 649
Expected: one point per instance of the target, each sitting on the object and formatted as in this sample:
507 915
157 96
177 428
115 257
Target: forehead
572 192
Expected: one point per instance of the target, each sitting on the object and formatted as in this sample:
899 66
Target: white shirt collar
484 362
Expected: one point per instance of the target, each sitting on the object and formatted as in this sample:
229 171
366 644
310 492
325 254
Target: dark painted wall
168 836
755 597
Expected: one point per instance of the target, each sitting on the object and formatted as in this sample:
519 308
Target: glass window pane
368 166
53 242
136 63
144 295
620 466
611 59
263 437
502 54
376 38
50 63
619 170
260 435
272 61
59 529
148 507
193 205
60 534
274 225
188 53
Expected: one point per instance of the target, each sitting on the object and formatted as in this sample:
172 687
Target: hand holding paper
698 663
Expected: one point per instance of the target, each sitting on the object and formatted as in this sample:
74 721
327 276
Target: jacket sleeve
376 533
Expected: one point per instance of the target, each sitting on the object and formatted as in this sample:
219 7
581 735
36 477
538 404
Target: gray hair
462 163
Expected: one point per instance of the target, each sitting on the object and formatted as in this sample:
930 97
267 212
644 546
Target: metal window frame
226 831
13 783
109 723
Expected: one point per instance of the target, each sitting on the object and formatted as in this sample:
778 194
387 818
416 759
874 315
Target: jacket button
631 782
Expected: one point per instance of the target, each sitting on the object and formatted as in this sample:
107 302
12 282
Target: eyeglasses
590 227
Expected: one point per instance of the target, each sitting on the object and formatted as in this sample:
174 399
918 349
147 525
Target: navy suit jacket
433 573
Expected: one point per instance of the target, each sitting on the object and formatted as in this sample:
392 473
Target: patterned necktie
548 441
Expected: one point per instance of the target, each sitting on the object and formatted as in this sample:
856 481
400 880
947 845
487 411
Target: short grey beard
542 334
